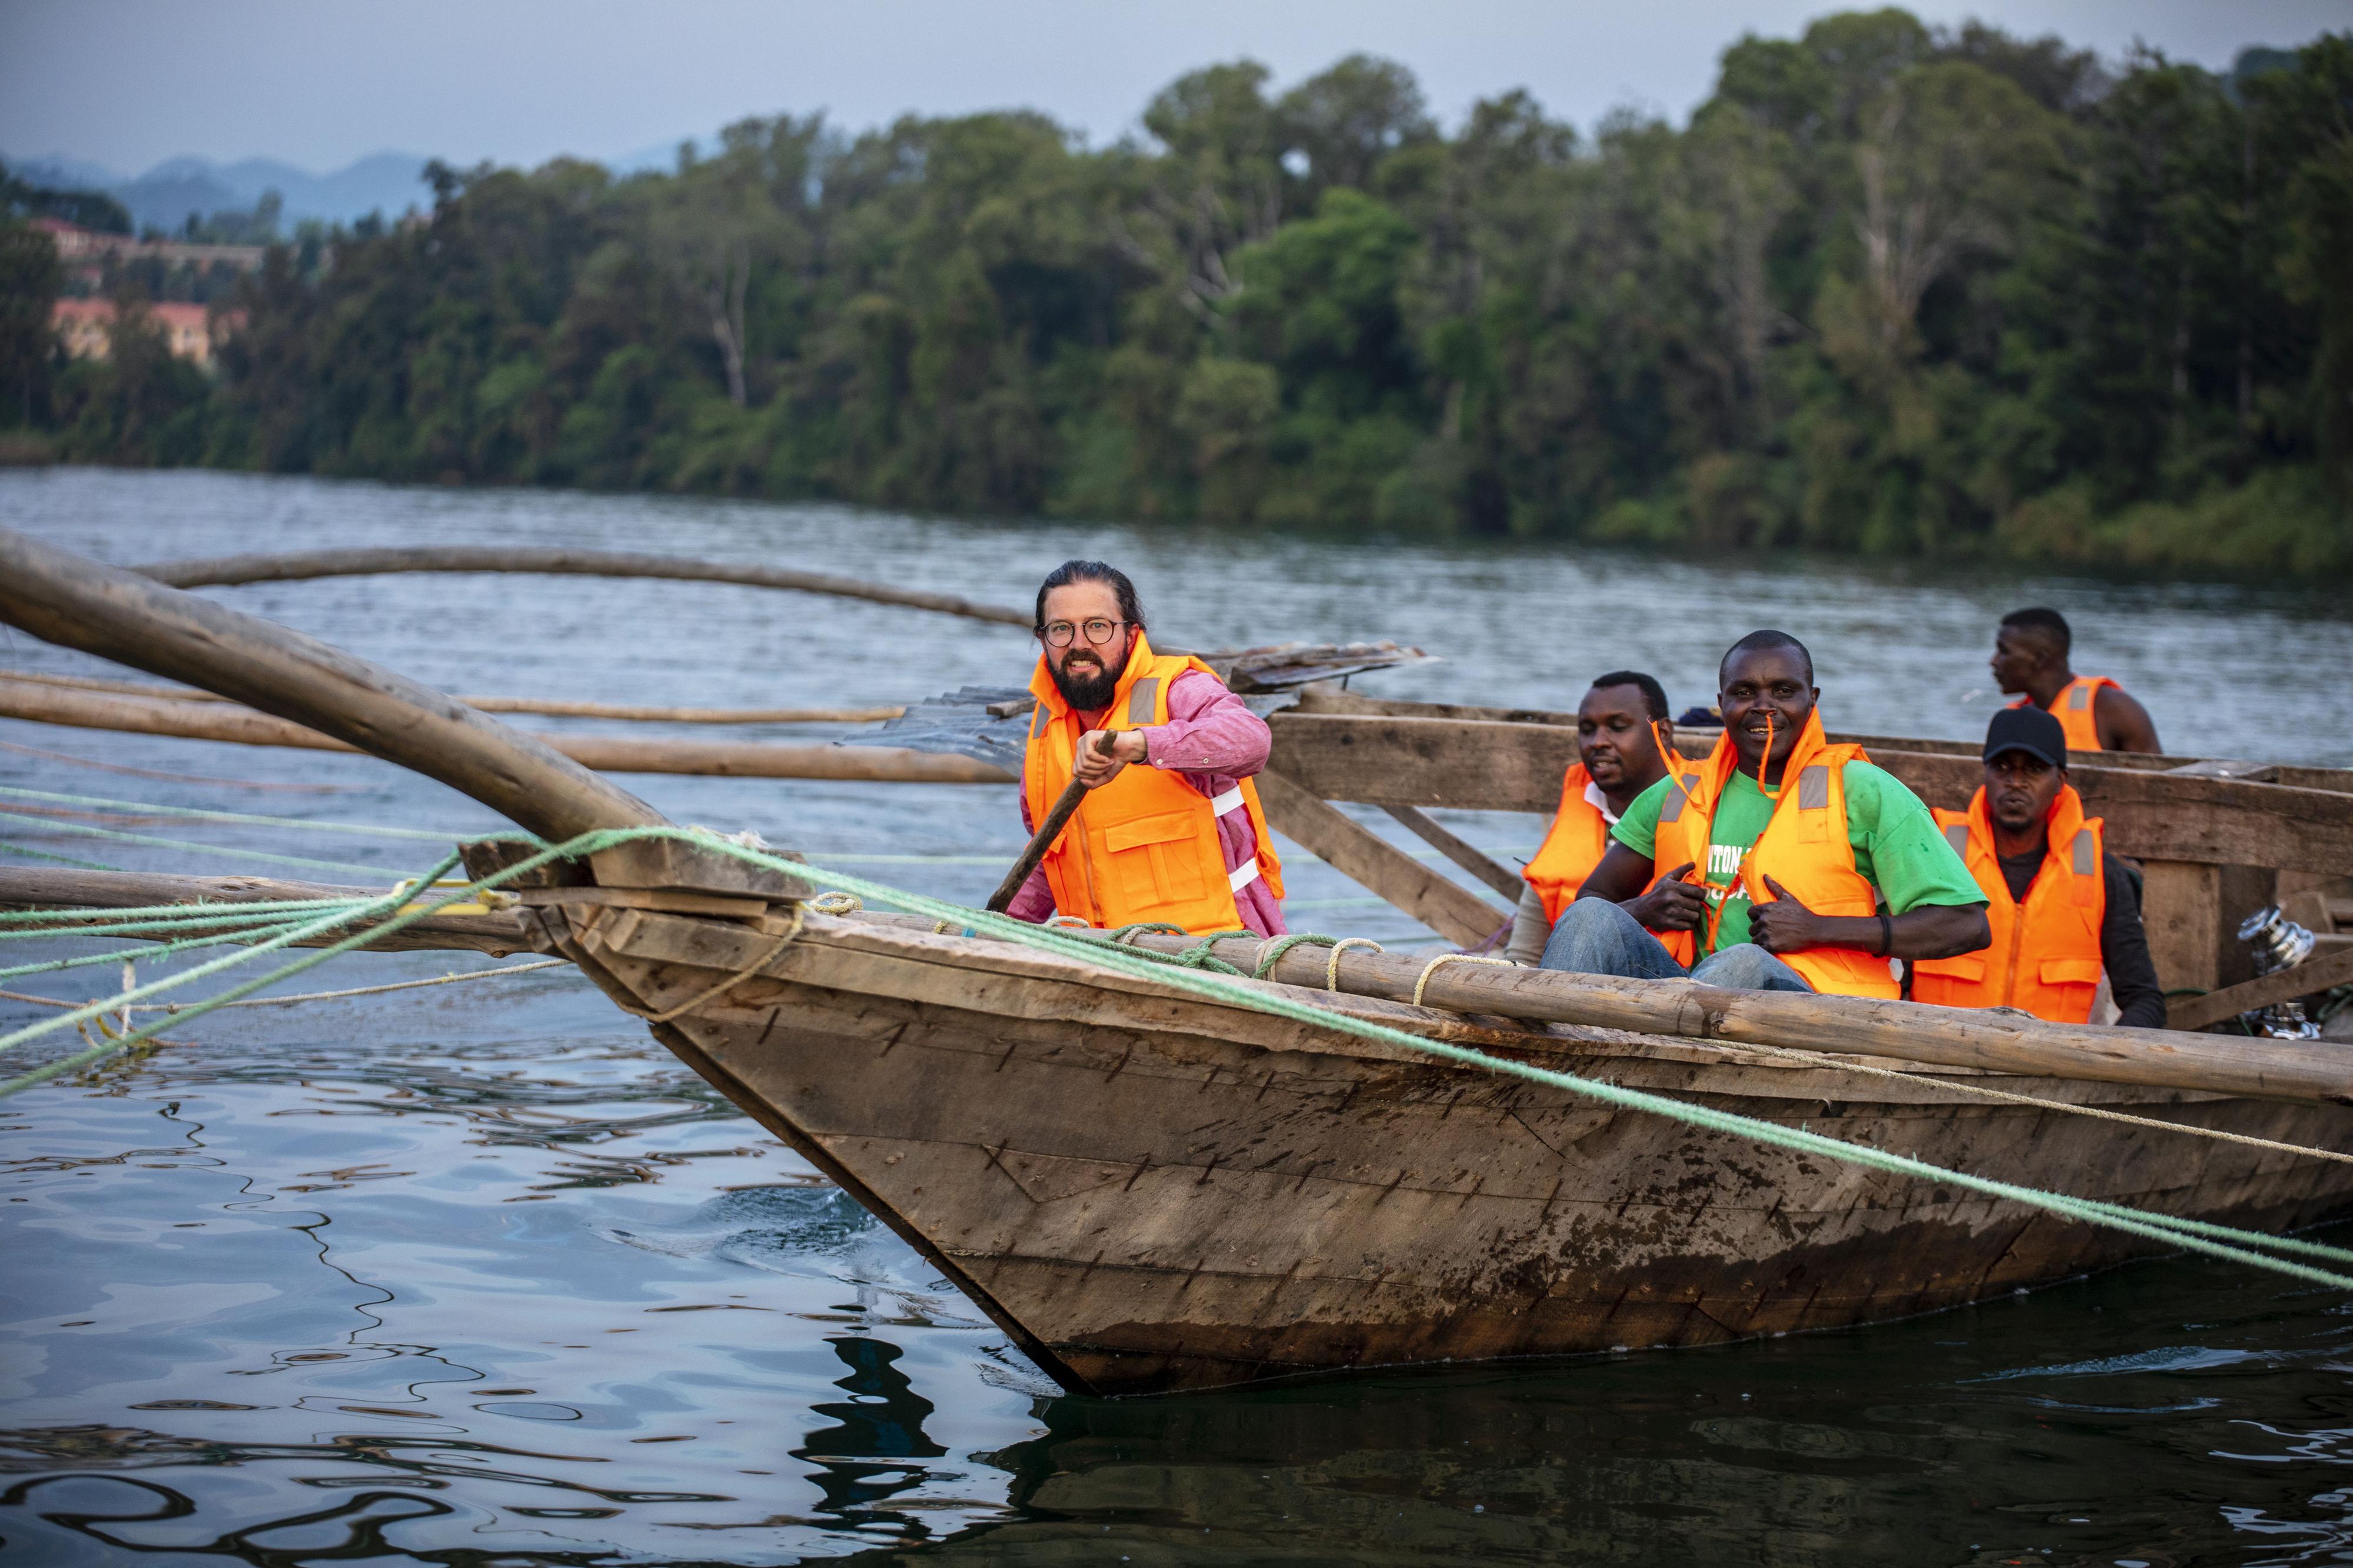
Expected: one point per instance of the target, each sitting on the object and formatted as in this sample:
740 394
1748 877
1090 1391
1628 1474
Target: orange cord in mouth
1765 761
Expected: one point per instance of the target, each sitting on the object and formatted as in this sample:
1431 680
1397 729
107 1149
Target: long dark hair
1131 609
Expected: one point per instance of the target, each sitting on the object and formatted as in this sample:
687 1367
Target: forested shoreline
1892 291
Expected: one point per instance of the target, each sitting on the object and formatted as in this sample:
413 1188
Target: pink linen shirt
1215 742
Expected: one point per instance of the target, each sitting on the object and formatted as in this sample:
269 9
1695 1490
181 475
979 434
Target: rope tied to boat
1124 935
775 950
1445 958
1332 965
1270 950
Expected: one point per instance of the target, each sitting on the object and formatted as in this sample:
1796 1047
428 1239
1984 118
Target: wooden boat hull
1152 1193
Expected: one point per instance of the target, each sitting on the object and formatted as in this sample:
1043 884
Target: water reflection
882 1421
1884 1446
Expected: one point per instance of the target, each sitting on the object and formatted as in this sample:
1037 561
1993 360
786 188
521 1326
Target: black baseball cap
2028 730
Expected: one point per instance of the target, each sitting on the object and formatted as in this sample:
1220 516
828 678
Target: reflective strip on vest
1958 836
2082 851
1144 700
2080 698
1814 788
1244 875
1672 808
1227 804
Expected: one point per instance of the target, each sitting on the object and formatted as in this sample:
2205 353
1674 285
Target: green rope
165 913
144 809
2214 1240
142 927
1272 953
163 950
1140 928
34 854
51 824
323 923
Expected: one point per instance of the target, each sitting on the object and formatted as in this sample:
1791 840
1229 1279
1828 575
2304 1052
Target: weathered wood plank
1490 765
1697 743
1479 766
1460 850
1363 855
2322 972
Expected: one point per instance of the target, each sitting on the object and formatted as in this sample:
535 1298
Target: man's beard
1087 693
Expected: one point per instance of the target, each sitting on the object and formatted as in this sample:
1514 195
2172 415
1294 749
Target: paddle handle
1050 830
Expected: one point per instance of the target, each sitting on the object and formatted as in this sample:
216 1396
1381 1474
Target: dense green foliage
1891 290
20 198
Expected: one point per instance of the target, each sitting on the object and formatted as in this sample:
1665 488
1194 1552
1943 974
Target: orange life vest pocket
1157 859
1967 966
2071 972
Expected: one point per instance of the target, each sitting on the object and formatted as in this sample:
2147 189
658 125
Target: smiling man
2062 909
1795 865
1170 828
1625 744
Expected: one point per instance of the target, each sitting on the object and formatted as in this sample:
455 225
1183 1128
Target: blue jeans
1594 936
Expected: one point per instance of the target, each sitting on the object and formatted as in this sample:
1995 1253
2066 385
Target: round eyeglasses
1098 631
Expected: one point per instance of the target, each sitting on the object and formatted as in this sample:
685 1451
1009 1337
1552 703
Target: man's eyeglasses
1098 631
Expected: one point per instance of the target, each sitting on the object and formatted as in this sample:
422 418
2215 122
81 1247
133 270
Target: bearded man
1169 830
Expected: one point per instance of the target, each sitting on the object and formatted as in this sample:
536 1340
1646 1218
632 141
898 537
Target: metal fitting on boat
2278 942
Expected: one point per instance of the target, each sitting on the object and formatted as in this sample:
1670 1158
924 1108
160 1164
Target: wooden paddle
1048 831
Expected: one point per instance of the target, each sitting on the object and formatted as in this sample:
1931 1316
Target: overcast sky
319 82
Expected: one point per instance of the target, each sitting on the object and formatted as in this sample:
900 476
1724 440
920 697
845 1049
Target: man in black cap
2062 909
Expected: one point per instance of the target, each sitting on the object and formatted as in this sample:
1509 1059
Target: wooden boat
1151 1190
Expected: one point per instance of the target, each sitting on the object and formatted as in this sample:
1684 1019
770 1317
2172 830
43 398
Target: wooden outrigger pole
1150 1189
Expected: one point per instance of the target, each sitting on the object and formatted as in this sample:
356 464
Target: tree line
1892 290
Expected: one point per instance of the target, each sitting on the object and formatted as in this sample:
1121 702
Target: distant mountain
163 196
389 183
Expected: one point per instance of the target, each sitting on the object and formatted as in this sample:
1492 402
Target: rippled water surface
477 1274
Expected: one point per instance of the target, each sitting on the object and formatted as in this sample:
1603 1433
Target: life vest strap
1229 803
1244 875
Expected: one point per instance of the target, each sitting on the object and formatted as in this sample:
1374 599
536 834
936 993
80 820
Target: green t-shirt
1898 847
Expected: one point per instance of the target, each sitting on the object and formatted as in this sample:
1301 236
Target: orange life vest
1145 845
1804 848
2045 952
1574 844
2075 710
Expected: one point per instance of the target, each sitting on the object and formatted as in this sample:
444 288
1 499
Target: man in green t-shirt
1925 903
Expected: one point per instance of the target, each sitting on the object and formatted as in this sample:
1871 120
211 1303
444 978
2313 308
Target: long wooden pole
77 603
1066 805
304 565
605 753
553 707
57 887
1904 1031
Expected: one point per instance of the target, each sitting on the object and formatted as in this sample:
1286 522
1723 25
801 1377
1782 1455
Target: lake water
478 1275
